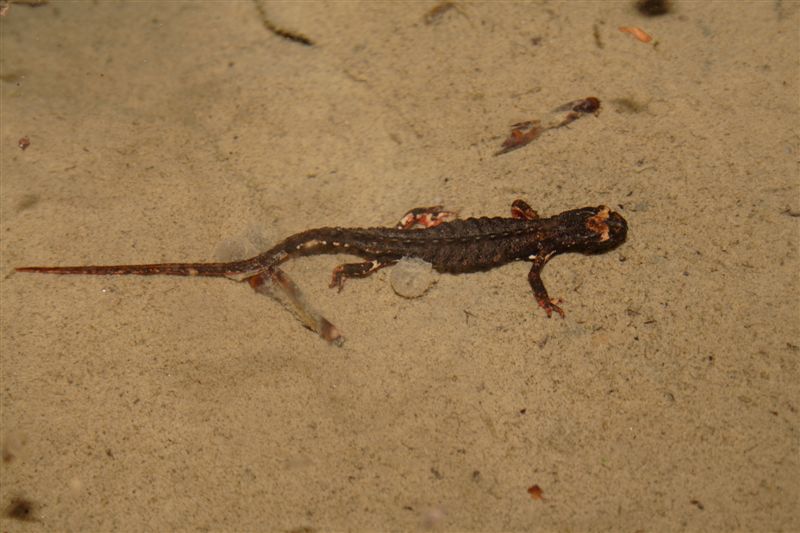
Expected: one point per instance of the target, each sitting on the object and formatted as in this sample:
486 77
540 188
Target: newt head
593 230
609 228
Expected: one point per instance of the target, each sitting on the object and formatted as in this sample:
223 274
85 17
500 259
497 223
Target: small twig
280 32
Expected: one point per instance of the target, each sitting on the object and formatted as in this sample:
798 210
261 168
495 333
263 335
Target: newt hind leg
427 217
357 270
264 281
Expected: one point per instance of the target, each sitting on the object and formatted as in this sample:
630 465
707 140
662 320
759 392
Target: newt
450 244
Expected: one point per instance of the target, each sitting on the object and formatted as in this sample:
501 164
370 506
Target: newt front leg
535 279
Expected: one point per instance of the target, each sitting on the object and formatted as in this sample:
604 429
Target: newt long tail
322 240
261 272
163 269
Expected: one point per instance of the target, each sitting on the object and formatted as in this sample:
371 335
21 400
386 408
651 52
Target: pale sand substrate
666 400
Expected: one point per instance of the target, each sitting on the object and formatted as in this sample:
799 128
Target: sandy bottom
666 400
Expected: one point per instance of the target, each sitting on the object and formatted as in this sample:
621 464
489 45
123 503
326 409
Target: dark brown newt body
453 246
459 246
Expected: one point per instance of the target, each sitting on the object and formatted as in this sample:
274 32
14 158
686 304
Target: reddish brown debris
523 133
535 492
435 13
24 142
639 33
